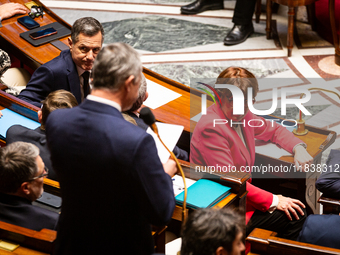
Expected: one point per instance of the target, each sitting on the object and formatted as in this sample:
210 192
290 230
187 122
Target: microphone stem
184 206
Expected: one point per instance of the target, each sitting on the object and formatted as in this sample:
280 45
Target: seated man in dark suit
71 69
22 173
329 181
209 231
55 100
133 112
324 229
113 183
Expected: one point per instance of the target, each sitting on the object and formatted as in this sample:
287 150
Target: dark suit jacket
321 230
329 180
59 73
20 211
112 181
38 137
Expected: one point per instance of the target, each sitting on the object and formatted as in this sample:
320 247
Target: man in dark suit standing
71 69
22 173
113 183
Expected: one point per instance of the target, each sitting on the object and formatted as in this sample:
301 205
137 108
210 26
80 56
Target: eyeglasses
230 99
44 174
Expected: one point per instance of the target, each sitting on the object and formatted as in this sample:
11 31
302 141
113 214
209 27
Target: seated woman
226 145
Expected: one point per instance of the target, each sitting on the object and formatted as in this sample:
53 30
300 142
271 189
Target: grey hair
88 26
17 165
114 64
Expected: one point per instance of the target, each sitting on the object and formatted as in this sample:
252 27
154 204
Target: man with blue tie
71 69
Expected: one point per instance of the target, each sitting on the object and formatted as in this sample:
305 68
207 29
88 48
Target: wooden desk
11 41
19 106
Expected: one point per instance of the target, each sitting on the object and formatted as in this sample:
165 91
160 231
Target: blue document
203 194
11 118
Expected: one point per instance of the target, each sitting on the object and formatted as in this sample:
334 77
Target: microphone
147 116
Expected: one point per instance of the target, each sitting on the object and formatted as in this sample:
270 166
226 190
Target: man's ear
221 251
146 96
39 116
70 44
24 188
129 82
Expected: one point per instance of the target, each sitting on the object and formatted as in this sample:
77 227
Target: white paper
170 135
159 95
270 149
178 185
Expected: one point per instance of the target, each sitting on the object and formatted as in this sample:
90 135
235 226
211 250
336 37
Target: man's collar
104 101
80 70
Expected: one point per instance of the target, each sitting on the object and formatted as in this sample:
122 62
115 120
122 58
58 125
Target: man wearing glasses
22 173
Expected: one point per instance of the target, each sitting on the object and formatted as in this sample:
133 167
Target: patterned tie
86 87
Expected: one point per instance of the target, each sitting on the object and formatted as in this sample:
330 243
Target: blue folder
11 118
204 194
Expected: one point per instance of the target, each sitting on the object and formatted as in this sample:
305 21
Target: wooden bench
265 242
330 205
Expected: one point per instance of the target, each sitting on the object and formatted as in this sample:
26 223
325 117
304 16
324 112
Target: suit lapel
72 76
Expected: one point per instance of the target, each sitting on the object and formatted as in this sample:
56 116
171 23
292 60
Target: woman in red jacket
234 145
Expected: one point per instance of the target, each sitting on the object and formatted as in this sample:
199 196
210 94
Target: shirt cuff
274 204
302 144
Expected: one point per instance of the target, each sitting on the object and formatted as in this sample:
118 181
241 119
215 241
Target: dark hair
88 26
114 64
141 95
56 100
17 165
239 77
207 229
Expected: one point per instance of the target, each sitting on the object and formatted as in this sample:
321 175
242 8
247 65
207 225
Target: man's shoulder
59 61
15 133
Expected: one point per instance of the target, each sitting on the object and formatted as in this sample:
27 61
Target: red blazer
222 146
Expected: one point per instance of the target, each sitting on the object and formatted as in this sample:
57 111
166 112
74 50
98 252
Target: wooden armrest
42 240
330 205
265 242
52 187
